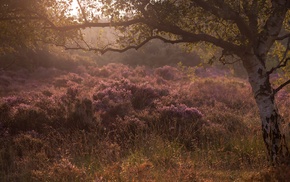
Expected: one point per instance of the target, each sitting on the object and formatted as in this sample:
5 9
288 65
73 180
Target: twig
136 47
281 86
223 60
83 11
6 67
283 37
284 60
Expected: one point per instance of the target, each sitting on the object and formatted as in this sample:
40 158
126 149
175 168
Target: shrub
82 116
89 126
167 72
112 102
61 170
180 123
144 95
22 117
281 174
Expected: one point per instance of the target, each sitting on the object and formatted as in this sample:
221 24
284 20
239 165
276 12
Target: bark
271 120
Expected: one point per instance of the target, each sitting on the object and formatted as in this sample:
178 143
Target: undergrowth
116 123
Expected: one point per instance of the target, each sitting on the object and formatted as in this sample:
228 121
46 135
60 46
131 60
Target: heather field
121 123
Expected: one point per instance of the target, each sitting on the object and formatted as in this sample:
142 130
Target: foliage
24 24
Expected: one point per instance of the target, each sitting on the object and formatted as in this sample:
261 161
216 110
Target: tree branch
270 33
222 58
195 38
283 37
7 66
282 64
252 13
120 50
20 18
83 11
284 60
187 36
281 86
97 24
224 11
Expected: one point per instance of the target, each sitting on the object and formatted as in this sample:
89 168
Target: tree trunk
273 136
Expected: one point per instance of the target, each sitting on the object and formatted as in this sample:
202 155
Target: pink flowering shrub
22 117
180 123
112 102
81 100
40 111
144 95
180 111
82 116
103 114
124 98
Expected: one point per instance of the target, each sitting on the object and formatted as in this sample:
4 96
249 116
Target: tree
22 24
250 30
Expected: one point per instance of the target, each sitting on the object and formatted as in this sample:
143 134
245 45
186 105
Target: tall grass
116 123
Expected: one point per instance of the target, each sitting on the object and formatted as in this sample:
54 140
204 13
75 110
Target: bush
93 126
22 117
167 72
179 123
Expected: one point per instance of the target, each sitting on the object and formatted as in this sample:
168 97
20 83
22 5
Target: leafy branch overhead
235 27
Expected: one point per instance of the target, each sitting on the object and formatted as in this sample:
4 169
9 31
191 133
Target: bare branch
76 42
97 24
83 11
222 58
236 61
280 65
287 49
86 44
195 38
7 66
20 18
280 87
136 47
283 37
284 60
42 17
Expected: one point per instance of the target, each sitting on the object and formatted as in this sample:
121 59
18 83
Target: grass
118 123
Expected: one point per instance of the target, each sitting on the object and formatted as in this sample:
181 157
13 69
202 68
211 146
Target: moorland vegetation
122 123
